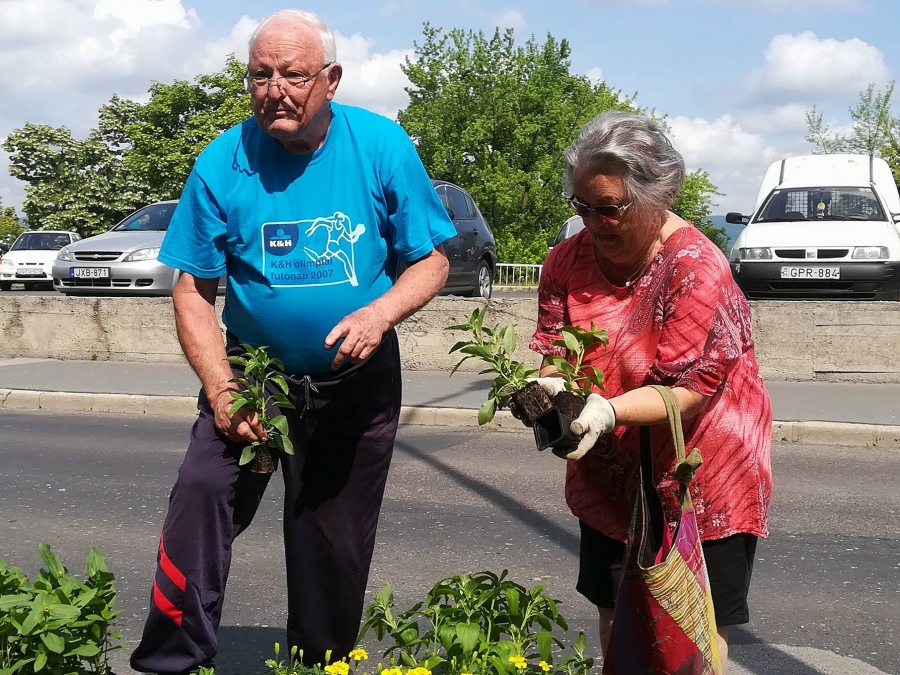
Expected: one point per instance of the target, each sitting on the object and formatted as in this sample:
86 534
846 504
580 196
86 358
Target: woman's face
620 241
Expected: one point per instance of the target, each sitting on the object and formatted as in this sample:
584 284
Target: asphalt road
826 585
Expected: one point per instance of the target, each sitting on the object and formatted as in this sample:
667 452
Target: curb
804 433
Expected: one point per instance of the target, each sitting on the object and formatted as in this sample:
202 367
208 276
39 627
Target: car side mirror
736 218
896 217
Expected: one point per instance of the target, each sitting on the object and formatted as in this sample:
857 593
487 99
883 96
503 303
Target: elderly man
307 207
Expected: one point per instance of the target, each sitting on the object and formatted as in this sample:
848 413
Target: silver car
121 261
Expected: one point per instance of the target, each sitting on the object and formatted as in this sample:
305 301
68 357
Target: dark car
472 252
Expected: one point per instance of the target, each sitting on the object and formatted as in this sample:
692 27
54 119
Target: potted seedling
261 390
551 429
495 347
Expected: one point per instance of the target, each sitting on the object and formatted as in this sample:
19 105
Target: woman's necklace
631 279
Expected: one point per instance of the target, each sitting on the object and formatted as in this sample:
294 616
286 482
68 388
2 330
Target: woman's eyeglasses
607 211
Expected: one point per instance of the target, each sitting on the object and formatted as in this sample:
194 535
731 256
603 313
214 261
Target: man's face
290 49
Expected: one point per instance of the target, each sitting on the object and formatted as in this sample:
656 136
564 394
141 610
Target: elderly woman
675 318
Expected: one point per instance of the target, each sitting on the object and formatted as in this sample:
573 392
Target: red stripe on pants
169 567
165 606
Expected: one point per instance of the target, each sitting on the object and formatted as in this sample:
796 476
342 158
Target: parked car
570 228
29 260
472 253
824 226
121 261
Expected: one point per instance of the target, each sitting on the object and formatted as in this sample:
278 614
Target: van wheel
484 282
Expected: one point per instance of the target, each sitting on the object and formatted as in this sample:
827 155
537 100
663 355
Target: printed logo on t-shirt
317 252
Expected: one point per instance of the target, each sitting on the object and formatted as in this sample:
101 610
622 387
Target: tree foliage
495 118
139 153
875 131
10 228
694 203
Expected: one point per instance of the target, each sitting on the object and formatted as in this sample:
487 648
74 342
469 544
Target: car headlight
7 263
65 254
870 253
756 254
142 254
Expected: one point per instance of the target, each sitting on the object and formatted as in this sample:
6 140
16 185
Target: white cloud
595 75
371 80
786 119
95 48
511 18
806 67
735 159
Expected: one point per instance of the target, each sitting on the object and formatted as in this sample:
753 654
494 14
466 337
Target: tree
139 153
694 203
495 118
10 228
874 129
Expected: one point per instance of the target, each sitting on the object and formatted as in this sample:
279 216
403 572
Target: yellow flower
544 666
519 662
339 668
391 671
418 671
359 654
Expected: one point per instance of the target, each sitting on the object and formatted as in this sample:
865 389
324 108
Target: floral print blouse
683 323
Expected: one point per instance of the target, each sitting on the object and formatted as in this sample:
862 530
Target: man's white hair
309 18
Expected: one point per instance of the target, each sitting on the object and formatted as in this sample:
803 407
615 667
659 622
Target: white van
824 226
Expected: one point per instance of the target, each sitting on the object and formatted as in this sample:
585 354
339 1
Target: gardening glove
597 418
551 385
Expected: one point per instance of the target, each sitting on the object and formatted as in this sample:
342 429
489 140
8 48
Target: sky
734 77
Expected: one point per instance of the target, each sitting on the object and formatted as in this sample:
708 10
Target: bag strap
684 466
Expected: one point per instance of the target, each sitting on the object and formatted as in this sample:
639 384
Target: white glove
597 418
551 385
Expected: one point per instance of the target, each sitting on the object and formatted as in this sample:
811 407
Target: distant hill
732 231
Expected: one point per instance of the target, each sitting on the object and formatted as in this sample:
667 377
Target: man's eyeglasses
607 211
292 80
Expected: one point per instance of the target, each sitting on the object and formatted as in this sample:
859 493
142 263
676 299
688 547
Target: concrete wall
838 341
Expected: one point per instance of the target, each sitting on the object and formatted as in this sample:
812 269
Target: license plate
89 273
795 272
30 272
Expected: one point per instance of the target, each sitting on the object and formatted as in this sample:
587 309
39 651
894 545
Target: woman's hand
597 418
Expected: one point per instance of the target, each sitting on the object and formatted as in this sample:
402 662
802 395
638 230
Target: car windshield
40 241
153 218
824 203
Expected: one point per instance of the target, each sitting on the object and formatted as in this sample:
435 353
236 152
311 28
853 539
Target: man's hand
362 332
597 418
242 427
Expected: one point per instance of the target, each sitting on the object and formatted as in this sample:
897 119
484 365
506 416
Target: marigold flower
418 671
544 666
359 654
391 671
339 668
519 662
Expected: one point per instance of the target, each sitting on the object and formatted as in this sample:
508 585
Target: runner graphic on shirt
314 252
338 227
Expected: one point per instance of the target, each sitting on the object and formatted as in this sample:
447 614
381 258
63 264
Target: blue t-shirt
305 239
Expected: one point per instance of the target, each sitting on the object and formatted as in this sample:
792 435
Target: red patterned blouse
683 323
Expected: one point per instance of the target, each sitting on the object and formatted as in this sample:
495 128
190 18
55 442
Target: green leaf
55 643
281 382
509 339
458 346
282 443
87 651
238 404
54 566
468 635
96 563
572 343
247 455
32 620
433 661
512 597
237 360
580 644
408 660
63 612
8 602
486 411
280 423
545 645
40 661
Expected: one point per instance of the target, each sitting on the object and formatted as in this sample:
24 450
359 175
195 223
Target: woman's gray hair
327 37
634 147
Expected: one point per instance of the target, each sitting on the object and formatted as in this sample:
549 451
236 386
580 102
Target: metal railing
514 274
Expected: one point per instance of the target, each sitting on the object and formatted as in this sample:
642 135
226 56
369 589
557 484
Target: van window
828 203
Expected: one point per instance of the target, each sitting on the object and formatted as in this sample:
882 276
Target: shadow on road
244 649
764 659
512 506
